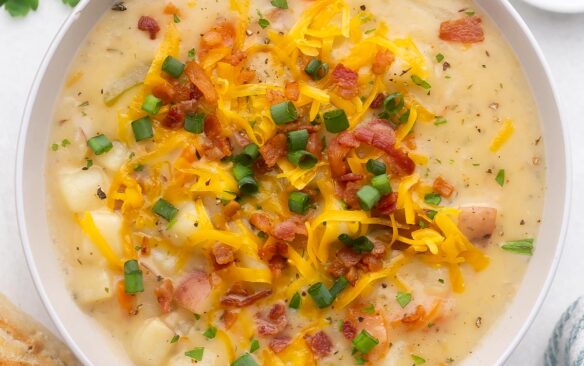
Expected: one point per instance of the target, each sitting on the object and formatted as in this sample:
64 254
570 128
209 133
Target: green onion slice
297 140
248 185
321 295
99 144
195 123
381 183
298 202
245 360
376 167
336 121
403 298
165 209
284 112
433 199
241 171
394 103
368 197
340 284
142 129
249 154
303 159
316 69
151 105
524 246
254 346
173 67
196 353
211 332
365 342
133 282
361 244
295 301
421 82
500 178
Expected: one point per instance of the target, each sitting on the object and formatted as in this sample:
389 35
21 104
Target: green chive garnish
142 129
361 244
321 295
99 144
245 360
376 167
524 246
421 82
254 346
393 103
302 159
403 298
164 209
282 4
364 342
418 360
284 112
381 183
195 123
248 185
439 57
297 140
440 121
500 178
175 338
151 105
211 332
433 199
295 301
196 353
133 282
368 197
249 154
173 67
241 171
431 214
316 69
340 284
298 202
336 121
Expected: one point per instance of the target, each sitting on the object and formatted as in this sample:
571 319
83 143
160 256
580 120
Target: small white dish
559 6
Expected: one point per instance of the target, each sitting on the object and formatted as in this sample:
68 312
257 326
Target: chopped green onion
418 360
439 57
316 69
55 147
284 112
365 342
369 309
394 103
138 167
211 332
65 143
241 171
254 346
245 360
381 183
321 295
295 301
368 197
376 167
133 282
440 121
99 144
175 338
151 105
303 159
142 129
176 19
340 284
88 164
298 202
173 67
192 53
264 23
282 4
403 298
165 209
248 185
500 178
195 123
249 154
421 82
361 244
431 214
196 353
519 246
297 140
336 121
433 199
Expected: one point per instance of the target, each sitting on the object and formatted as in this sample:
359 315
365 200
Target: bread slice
25 342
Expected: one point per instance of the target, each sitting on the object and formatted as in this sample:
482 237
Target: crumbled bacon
371 263
221 147
336 269
314 145
185 92
273 248
442 187
150 25
230 209
279 343
230 317
274 149
287 230
236 58
402 161
348 257
346 81
275 96
174 118
246 76
240 298
292 90
465 30
350 177
274 323
320 344
262 222
350 193
337 151
201 80
221 35
192 292
164 295
378 101
223 254
164 92
348 139
383 60
414 317
387 204
375 325
348 329
378 134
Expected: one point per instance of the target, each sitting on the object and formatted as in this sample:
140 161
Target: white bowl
559 6
93 345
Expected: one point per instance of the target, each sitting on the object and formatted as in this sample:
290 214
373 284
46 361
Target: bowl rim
20 205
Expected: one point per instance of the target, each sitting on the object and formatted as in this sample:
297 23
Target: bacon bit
275 322
231 209
348 139
171 9
262 222
222 254
287 230
192 292
273 248
374 324
346 81
229 318
336 268
320 344
292 90
275 96
274 149
164 295
349 331
383 60
163 91
241 298
185 92
350 177
348 257
236 58
221 35
314 145
150 25
296 126
214 132
442 187
175 118
402 161
378 101
201 80
279 343
277 266
371 263
379 249
414 317
410 141
465 30
387 205
337 152
378 134
350 194
127 302
246 76
352 275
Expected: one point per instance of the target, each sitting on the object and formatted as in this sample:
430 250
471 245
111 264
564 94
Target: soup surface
295 183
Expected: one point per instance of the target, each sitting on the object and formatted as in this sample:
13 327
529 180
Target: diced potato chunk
109 225
79 188
151 343
185 224
115 158
91 284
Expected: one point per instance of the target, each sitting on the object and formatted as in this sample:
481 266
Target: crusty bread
25 342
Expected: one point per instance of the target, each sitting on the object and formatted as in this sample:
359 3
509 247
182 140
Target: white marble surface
24 41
